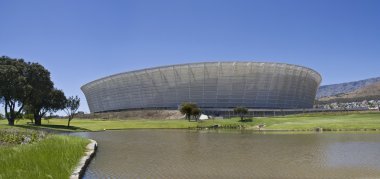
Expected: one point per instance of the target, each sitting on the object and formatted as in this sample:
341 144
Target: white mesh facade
210 85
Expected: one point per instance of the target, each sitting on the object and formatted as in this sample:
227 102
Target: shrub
13 136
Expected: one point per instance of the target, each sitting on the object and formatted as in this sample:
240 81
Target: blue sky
80 41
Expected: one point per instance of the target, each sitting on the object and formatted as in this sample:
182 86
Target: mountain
357 88
370 92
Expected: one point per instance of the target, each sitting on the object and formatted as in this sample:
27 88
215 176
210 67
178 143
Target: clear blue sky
80 41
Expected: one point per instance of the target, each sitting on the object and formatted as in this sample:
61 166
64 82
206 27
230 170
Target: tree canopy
14 86
43 97
241 111
27 87
52 101
189 109
71 107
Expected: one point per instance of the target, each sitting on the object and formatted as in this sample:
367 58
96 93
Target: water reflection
233 154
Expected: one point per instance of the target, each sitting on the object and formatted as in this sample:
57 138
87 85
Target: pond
233 154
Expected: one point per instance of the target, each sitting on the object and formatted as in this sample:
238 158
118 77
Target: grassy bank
99 125
53 157
328 121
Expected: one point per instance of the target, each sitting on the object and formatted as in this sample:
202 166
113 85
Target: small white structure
203 117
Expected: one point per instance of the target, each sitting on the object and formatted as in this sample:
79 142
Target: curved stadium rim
319 77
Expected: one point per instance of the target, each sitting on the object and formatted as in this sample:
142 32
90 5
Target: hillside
369 92
350 87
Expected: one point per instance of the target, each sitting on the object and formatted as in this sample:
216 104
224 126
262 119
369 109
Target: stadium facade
211 85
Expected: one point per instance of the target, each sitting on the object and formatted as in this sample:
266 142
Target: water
233 154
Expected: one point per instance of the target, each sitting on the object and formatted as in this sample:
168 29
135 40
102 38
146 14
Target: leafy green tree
189 109
196 112
1 116
14 87
71 107
186 109
52 101
241 111
43 96
27 85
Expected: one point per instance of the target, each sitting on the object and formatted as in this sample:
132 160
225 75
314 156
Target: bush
246 120
13 136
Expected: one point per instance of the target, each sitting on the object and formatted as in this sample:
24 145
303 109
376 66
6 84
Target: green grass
54 157
328 121
339 121
98 125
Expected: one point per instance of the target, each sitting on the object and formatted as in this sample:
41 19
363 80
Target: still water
233 154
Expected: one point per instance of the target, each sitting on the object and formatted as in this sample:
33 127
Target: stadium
211 85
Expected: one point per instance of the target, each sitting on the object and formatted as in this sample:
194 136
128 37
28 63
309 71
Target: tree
1 116
189 109
14 87
195 113
27 85
43 97
52 101
71 107
241 111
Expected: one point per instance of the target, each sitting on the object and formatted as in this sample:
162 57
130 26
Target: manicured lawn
339 121
98 125
53 157
328 121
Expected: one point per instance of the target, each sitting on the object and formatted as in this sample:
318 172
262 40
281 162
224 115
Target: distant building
211 85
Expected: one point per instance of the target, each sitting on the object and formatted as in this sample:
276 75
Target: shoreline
83 163
255 129
247 130
59 131
309 122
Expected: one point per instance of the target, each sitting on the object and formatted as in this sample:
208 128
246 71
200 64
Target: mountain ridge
349 87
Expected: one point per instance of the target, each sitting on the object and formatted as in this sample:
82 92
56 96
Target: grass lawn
53 157
328 121
332 121
98 125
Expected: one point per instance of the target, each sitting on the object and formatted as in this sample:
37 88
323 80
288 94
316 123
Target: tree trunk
68 122
11 121
10 116
37 121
